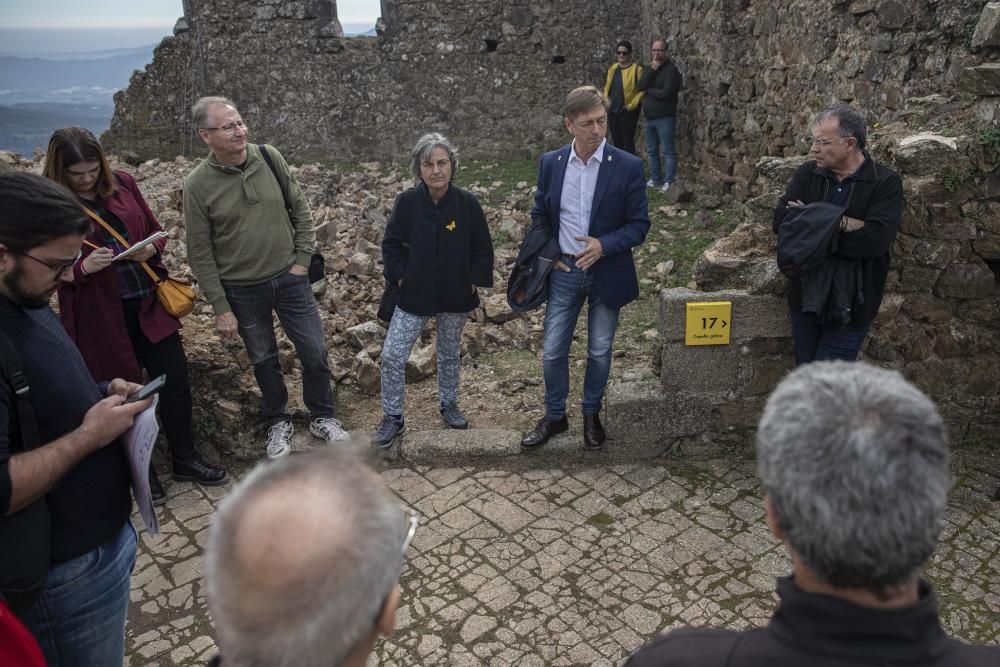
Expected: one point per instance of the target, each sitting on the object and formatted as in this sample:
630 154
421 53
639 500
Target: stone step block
754 315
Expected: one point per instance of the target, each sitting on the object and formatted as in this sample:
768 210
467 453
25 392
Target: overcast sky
135 13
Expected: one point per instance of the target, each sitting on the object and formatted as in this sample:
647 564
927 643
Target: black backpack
24 535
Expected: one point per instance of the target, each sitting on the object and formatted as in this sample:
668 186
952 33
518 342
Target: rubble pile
350 210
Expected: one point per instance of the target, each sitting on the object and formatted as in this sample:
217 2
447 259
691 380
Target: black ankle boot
193 468
156 489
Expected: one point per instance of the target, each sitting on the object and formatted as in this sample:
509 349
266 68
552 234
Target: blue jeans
660 132
567 293
816 340
291 297
80 619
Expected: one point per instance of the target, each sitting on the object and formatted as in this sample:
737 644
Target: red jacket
90 307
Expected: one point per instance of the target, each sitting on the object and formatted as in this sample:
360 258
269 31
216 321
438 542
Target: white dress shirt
577 200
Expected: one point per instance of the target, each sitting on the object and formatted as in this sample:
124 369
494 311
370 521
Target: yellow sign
708 323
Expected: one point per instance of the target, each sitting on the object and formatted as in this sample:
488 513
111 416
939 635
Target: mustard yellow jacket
630 75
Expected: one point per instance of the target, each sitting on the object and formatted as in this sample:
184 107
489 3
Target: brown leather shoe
543 431
593 432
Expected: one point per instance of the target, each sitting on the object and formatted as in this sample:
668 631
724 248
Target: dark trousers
622 125
815 340
291 297
165 358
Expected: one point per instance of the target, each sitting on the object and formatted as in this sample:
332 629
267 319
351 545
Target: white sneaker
278 436
329 429
666 186
651 183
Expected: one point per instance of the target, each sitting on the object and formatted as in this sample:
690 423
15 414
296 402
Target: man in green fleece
251 262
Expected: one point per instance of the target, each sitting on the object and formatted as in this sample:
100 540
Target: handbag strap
13 370
111 230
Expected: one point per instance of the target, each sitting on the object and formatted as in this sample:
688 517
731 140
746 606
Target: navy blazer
619 217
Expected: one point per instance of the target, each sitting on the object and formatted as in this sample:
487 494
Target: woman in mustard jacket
625 99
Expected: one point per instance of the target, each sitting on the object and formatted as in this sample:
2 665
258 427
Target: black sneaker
156 489
452 416
387 431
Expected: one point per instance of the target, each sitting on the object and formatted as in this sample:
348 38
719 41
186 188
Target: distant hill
24 127
80 80
38 95
358 29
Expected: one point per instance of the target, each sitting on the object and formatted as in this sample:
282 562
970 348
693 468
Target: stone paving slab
568 565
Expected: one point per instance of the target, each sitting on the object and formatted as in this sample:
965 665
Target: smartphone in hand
147 390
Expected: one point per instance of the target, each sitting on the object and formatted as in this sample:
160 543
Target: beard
17 294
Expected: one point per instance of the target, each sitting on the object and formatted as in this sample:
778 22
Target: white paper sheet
139 441
136 247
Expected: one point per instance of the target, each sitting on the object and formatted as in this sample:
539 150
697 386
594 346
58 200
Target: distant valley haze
52 76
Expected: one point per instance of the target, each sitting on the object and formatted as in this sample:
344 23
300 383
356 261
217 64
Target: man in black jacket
843 173
853 463
64 500
661 81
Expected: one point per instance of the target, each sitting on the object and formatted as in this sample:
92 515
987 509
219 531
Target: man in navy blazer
591 196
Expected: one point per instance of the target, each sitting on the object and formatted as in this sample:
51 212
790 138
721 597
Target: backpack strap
12 371
274 172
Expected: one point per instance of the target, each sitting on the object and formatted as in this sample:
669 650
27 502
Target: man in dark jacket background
661 82
853 463
843 173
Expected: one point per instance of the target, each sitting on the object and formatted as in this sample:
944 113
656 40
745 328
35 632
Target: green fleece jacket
237 227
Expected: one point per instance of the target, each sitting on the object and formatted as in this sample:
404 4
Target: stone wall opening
361 18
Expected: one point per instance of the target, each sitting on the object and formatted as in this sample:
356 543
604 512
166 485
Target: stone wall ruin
489 75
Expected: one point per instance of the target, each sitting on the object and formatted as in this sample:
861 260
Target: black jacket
91 502
808 239
877 199
822 631
440 251
528 285
661 86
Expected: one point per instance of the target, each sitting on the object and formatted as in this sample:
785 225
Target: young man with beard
66 544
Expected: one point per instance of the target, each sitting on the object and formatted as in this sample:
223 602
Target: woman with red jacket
110 310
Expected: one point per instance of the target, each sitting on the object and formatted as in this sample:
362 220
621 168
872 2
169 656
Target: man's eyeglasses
228 129
658 50
623 53
59 268
819 140
414 521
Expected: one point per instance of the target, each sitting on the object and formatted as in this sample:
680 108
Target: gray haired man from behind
303 562
853 462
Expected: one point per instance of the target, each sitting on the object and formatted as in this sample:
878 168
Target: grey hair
425 146
852 122
854 460
330 603
199 110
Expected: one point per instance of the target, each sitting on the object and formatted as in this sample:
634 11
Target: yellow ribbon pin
450 226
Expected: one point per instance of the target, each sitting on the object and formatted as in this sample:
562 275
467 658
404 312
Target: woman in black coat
437 251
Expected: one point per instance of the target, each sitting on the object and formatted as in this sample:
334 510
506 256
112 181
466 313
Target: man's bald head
300 559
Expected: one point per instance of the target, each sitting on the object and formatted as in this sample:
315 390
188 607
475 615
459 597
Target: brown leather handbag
176 296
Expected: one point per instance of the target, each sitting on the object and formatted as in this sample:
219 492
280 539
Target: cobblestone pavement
575 566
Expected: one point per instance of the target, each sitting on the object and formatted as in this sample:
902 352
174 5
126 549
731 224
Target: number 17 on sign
708 323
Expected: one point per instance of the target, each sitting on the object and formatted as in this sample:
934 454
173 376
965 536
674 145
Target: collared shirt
840 191
577 200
